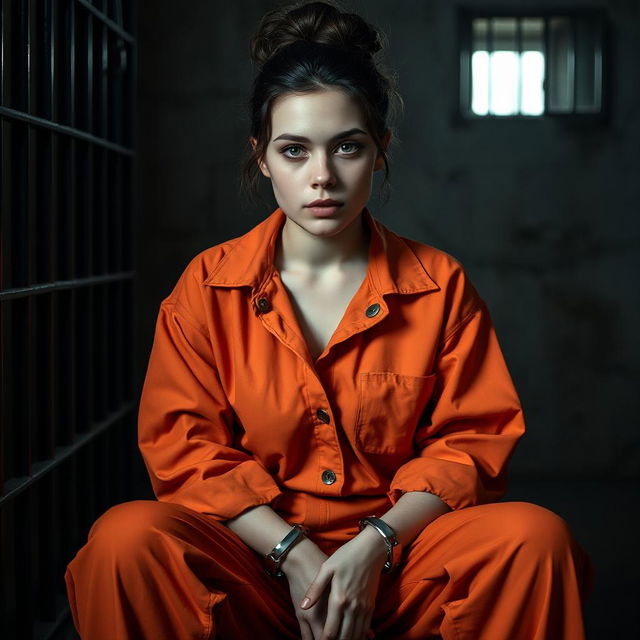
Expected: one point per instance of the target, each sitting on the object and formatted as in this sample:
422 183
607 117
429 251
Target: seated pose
326 416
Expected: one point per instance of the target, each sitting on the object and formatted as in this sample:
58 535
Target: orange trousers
160 571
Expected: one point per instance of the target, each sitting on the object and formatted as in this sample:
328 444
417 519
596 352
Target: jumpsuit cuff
225 496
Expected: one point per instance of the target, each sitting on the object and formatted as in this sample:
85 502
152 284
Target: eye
356 146
293 146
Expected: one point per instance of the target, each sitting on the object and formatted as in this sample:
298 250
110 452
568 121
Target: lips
324 203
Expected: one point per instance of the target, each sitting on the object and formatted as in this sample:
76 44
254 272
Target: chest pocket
389 408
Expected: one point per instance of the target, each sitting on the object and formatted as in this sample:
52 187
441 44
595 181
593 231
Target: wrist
305 552
393 545
375 543
276 557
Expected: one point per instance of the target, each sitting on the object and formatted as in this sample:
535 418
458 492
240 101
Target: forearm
412 512
261 528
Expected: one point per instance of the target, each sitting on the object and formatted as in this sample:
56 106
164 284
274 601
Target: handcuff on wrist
275 557
394 548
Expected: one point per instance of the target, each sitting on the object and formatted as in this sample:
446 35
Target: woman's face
320 149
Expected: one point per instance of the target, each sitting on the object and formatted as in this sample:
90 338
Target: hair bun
318 22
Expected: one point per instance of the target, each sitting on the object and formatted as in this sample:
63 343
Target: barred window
532 65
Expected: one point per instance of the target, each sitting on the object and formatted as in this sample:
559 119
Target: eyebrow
343 134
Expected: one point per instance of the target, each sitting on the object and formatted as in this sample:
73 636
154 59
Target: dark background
543 213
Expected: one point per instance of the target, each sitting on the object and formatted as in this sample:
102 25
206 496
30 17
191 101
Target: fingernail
305 602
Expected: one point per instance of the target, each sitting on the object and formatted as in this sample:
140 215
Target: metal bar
100 470
57 377
490 60
16 485
6 406
547 65
96 77
85 360
31 387
107 21
598 63
130 133
66 202
68 469
117 68
45 373
7 582
19 398
51 27
103 77
63 65
84 192
20 74
97 372
129 322
87 503
64 363
110 337
41 233
465 48
53 241
116 214
100 212
73 52
573 65
6 79
41 31
129 215
11 294
5 148
519 47
120 355
6 196
23 569
33 46
90 71
18 207
47 551
19 116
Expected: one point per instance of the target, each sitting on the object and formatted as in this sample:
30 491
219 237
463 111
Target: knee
129 527
534 528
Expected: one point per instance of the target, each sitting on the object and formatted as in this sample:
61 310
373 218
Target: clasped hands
341 589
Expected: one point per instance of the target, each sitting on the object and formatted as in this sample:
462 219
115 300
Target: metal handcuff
394 548
275 557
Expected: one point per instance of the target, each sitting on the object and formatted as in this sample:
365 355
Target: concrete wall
544 215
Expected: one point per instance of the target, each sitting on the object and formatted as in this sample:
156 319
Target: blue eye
356 146
288 152
293 146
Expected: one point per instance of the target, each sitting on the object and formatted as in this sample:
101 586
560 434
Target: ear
386 138
262 165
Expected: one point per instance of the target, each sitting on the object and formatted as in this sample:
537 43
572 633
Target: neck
299 250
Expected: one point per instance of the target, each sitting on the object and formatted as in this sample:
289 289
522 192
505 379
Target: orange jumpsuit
410 394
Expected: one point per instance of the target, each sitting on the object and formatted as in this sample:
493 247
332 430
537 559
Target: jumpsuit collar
393 266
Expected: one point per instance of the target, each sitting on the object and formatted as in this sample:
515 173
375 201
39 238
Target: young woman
326 416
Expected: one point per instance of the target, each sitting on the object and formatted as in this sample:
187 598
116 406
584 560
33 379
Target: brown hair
315 46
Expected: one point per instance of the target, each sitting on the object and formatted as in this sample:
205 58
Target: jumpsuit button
264 305
323 415
328 476
372 310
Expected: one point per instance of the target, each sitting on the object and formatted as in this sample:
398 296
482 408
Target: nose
322 173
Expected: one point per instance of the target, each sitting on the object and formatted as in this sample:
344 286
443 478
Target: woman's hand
353 572
301 566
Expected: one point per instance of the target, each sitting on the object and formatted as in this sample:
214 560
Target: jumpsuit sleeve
185 426
472 423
